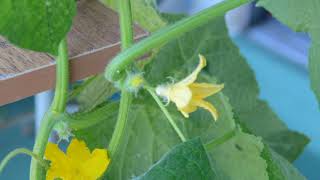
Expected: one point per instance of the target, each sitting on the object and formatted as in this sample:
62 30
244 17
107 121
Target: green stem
122 60
121 125
58 106
126 97
80 120
216 142
18 151
62 79
167 114
126 24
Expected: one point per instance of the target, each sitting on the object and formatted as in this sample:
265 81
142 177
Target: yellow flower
77 164
188 96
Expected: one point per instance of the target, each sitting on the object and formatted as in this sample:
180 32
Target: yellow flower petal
203 90
55 171
188 96
180 95
193 76
96 165
206 105
54 154
78 164
78 151
191 107
60 165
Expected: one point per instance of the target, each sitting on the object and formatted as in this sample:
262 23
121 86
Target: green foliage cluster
261 146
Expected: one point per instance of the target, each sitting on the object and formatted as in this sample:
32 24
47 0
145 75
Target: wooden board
93 41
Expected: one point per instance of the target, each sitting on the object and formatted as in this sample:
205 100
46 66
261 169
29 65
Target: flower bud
134 82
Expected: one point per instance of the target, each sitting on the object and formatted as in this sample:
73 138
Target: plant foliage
248 141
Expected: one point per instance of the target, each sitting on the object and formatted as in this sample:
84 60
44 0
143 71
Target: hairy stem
121 124
125 58
167 114
126 97
58 106
18 151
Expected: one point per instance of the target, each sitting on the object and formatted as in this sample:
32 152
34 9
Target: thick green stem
58 106
167 114
18 151
126 97
125 58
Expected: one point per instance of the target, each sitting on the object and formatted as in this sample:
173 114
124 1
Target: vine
126 96
58 107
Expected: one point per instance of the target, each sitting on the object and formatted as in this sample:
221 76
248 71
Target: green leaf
185 161
302 16
279 168
229 67
37 25
239 158
93 92
143 12
262 121
287 143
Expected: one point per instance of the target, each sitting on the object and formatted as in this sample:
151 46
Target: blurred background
277 55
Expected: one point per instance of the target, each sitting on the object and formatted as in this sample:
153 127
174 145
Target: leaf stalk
18 151
167 114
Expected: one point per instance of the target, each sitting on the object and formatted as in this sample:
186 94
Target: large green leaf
262 121
38 25
241 151
278 167
302 16
185 161
229 67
